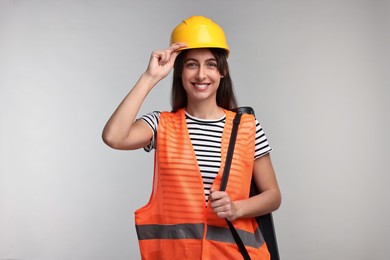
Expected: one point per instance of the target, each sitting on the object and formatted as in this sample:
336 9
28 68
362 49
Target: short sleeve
262 146
152 120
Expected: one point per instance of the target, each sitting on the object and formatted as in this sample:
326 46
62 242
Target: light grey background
315 71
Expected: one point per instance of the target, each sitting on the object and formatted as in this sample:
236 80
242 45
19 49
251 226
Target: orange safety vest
176 224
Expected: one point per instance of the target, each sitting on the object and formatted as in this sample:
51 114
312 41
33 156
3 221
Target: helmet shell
200 32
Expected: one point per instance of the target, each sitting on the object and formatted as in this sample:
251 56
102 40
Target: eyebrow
193 59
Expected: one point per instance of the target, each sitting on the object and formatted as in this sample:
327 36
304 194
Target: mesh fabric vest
176 223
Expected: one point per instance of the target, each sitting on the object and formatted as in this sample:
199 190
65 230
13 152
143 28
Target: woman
186 214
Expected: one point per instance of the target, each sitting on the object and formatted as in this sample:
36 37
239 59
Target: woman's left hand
222 205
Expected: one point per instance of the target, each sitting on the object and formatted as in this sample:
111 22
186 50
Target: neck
204 111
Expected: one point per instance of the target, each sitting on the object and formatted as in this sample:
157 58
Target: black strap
238 240
225 177
265 222
229 155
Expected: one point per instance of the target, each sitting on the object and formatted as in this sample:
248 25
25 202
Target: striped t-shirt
206 136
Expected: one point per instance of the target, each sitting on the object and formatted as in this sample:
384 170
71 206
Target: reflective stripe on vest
179 231
195 231
221 234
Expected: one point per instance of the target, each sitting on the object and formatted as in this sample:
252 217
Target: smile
201 86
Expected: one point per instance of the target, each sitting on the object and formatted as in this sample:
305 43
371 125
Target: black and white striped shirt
206 136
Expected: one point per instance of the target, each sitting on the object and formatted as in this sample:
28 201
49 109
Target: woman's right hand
161 61
122 131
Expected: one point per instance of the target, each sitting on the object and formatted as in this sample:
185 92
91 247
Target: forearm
260 204
118 126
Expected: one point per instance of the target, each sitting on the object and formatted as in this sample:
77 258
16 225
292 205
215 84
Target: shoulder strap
230 151
265 222
225 177
233 136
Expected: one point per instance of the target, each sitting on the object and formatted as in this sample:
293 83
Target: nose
201 73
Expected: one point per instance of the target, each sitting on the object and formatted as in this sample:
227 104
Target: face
200 75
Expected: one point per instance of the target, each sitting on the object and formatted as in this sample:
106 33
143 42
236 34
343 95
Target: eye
191 64
212 64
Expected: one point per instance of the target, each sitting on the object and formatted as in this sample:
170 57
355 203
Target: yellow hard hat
200 32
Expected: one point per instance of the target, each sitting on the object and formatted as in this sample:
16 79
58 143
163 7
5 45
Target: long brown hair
225 94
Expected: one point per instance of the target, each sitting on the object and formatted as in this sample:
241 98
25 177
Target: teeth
201 86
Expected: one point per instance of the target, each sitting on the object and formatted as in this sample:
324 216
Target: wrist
238 208
148 80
